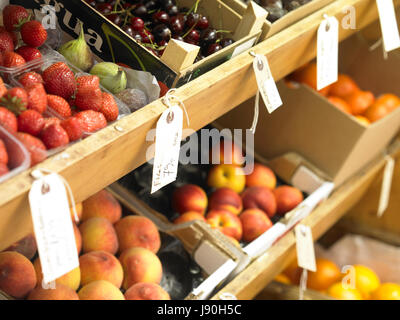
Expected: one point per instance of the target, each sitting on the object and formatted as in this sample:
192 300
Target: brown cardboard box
309 125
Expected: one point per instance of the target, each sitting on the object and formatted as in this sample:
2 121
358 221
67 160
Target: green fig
112 76
78 52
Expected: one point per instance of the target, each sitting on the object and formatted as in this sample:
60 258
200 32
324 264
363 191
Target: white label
53 227
387 18
266 83
327 52
243 47
386 186
305 248
168 144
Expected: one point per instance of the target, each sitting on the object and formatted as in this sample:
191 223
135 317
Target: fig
112 76
133 98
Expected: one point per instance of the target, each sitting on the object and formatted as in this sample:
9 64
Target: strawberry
50 121
88 82
14 16
12 59
30 121
73 127
16 100
59 105
54 136
30 78
33 33
3 153
29 53
8 120
109 107
35 147
37 97
6 42
3 89
91 120
163 88
3 169
89 99
59 80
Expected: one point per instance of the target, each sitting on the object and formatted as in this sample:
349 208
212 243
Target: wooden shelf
108 155
263 270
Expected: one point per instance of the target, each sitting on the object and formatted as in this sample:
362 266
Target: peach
189 198
232 155
259 198
98 234
100 265
227 176
189 216
287 198
100 290
226 222
71 279
140 265
262 176
17 274
79 211
26 246
78 238
60 292
255 222
136 231
146 291
226 199
102 204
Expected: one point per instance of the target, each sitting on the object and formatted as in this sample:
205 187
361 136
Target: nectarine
226 222
102 204
100 290
146 291
255 222
227 176
287 198
189 198
262 176
226 199
259 198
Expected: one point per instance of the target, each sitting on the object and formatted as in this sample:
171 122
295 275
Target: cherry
127 5
172 10
104 8
226 42
115 18
213 48
147 37
193 35
208 37
182 17
161 32
176 25
136 35
92 3
178 37
150 5
192 19
166 3
202 23
140 11
160 17
184 10
137 24
129 30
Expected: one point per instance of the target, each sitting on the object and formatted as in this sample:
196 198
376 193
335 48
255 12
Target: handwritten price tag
387 18
305 248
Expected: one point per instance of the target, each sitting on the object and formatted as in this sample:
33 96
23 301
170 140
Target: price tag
387 18
305 248
327 52
386 186
53 227
168 144
266 83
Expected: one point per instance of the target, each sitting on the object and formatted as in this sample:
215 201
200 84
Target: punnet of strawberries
20 25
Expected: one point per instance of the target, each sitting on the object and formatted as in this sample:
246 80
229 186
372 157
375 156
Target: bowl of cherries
152 23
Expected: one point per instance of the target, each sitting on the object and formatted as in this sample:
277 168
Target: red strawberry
59 80
6 42
3 153
50 121
16 100
37 97
3 89
54 136
33 33
35 147
88 82
12 59
59 105
91 120
73 127
14 16
29 53
89 99
163 88
109 107
30 78
3 169
8 120
30 121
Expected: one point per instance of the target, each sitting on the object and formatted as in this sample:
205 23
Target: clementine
343 87
340 292
387 291
391 101
326 275
340 104
359 101
293 272
376 112
366 280
363 120
308 76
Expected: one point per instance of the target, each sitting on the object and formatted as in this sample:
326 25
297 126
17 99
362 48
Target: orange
293 272
366 280
338 291
308 76
326 275
340 104
363 120
391 101
343 87
282 278
387 291
376 112
359 101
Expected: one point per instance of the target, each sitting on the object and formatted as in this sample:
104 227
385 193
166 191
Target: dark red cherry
140 11
178 37
202 23
213 48
161 32
137 24
172 10
104 8
192 19
193 35
147 36
226 42
115 18
176 25
160 17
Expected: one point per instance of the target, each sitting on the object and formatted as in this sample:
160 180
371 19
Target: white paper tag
386 186
266 83
305 248
168 144
243 47
327 52
387 18
53 227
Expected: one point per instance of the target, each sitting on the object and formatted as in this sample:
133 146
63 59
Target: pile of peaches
241 206
117 259
346 95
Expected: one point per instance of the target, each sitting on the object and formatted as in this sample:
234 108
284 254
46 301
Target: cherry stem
223 31
193 8
190 30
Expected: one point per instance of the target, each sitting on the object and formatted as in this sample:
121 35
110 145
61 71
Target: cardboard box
271 28
308 124
110 43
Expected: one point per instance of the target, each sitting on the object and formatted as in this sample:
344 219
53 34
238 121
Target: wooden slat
108 155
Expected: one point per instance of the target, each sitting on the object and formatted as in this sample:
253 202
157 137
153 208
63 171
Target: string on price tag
52 225
388 22
327 52
266 87
386 186
168 142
